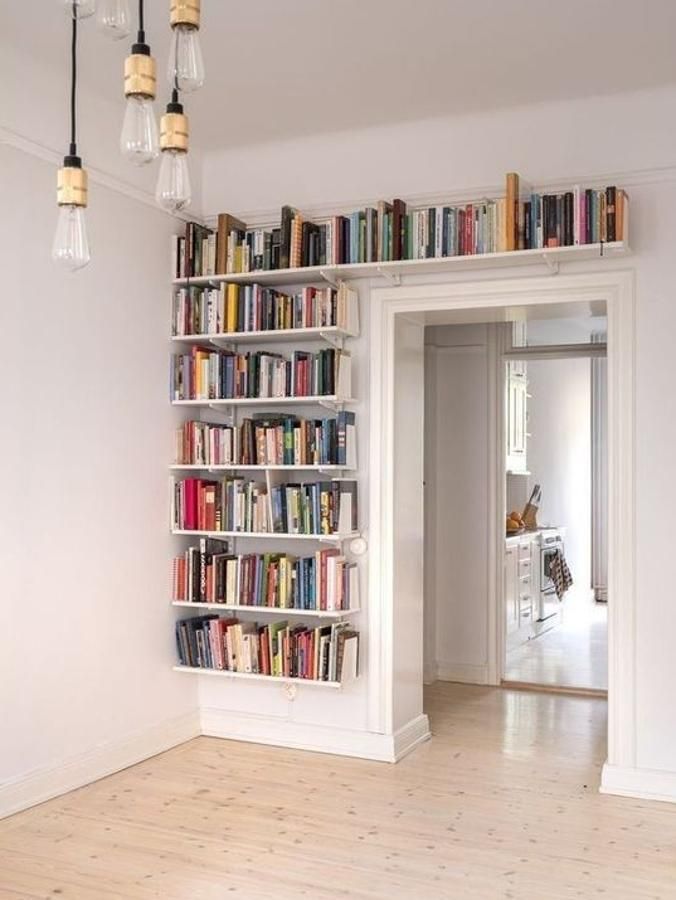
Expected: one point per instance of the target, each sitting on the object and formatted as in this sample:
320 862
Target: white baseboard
430 673
644 784
69 774
315 738
76 772
407 738
465 673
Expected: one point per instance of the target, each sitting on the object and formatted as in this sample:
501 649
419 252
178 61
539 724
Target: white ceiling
277 68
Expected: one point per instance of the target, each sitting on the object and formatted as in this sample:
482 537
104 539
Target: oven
549 605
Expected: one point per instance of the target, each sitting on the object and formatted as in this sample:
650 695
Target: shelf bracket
329 279
394 278
331 339
551 264
330 404
227 411
223 345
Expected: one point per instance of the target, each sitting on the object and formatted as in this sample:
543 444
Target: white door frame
616 288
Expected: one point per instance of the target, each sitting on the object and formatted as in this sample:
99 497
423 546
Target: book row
239 504
328 653
388 231
208 573
206 373
270 440
233 308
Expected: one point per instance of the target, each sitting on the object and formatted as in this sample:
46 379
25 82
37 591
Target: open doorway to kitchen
401 493
555 580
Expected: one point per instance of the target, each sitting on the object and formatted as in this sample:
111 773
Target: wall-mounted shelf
254 676
234 467
330 402
268 610
393 271
270 535
330 333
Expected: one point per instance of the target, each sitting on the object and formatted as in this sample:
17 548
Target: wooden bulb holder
71 186
140 76
185 12
174 132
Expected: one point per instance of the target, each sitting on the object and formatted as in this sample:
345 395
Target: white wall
87 641
559 454
457 413
408 472
627 133
442 155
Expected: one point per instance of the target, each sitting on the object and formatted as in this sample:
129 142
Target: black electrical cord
141 23
73 82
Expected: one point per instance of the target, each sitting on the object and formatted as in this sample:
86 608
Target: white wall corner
643 784
464 673
106 759
281 732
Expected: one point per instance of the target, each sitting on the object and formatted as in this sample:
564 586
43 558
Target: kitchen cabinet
516 403
517 418
511 592
520 587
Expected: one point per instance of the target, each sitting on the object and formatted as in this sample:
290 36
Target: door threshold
555 689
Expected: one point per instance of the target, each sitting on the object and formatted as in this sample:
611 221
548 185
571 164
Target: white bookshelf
329 401
280 612
235 467
255 676
393 271
272 476
270 535
331 334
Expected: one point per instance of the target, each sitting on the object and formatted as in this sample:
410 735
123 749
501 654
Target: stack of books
208 573
233 504
270 440
324 507
235 308
206 373
522 219
241 505
328 653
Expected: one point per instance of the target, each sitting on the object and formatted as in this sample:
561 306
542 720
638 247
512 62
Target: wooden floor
502 802
573 654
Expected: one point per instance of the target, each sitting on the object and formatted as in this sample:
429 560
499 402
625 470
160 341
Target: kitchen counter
511 539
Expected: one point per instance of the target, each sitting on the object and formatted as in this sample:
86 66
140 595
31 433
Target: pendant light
114 18
139 140
186 66
71 246
173 191
79 9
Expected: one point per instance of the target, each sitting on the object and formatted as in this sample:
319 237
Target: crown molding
98 176
264 218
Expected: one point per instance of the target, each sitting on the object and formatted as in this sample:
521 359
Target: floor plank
502 802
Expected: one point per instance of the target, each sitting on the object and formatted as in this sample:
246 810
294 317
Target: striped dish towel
560 573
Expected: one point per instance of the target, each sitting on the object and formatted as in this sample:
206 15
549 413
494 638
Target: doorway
554 590
399 316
